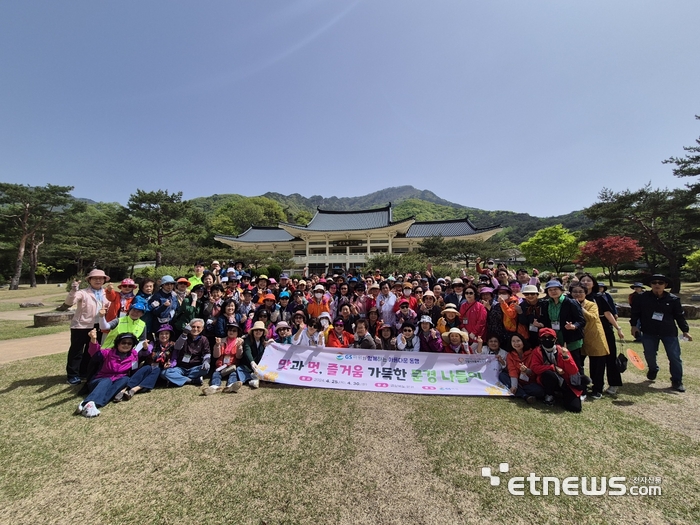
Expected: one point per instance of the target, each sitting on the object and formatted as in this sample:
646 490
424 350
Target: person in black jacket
658 313
564 316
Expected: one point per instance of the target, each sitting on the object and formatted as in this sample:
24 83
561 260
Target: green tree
26 213
666 223
157 217
240 213
688 166
463 250
434 248
45 271
554 246
95 236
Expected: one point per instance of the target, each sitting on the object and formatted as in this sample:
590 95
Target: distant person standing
659 312
90 302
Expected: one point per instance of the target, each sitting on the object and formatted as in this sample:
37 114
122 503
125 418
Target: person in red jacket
338 337
518 375
557 372
120 301
473 315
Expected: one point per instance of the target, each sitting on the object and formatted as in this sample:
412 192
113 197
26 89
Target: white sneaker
254 383
612 390
233 387
209 390
90 410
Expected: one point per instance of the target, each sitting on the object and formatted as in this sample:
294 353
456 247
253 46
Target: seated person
114 366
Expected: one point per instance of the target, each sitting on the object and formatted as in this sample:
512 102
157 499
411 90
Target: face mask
407 293
318 295
503 297
547 343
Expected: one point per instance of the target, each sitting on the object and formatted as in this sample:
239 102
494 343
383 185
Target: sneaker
254 383
651 374
210 390
612 390
197 381
90 410
117 398
233 387
74 381
530 400
79 410
583 397
549 400
595 396
677 386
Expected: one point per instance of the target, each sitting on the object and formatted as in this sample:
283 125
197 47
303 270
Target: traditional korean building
346 239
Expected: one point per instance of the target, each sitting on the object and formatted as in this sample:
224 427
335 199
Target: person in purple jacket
113 373
430 340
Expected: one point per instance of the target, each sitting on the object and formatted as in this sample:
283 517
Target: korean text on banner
382 370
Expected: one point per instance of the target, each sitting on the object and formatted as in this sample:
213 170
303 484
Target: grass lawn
294 455
21 329
26 293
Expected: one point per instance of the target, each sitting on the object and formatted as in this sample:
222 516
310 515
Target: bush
156 273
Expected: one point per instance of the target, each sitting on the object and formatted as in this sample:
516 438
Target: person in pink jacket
88 303
113 374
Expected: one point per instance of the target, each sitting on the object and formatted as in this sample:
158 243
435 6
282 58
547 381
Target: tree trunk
674 274
14 282
159 253
34 259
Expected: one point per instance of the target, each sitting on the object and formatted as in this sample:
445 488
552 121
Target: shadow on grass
44 383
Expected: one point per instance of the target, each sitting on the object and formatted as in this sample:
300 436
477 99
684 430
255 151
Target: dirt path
16 349
25 314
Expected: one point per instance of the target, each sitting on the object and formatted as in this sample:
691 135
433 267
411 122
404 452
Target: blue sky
525 106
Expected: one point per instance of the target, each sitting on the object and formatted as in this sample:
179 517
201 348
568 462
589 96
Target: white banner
382 370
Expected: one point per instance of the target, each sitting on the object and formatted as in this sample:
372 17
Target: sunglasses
407 330
657 282
338 325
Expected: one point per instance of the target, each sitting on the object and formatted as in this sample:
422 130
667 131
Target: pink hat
97 273
127 282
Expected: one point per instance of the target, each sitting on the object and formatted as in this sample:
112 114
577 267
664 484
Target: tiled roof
260 234
453 228
325 220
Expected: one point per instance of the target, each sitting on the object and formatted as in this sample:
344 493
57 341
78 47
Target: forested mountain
407 201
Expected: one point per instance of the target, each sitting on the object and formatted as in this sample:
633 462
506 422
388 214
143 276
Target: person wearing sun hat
430 340
450 319
455 341
121 300
565 317
659 312
112 375
89 302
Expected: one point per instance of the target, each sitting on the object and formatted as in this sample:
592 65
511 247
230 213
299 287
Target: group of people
216 324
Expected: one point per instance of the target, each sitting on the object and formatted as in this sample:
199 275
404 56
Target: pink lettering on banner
381 385
306 378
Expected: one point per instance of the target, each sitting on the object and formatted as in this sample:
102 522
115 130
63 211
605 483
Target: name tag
227 360
555 326
533 328
134 365
186 358
658 316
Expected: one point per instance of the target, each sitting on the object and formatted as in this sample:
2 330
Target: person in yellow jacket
595 345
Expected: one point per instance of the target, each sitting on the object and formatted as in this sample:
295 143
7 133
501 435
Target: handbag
621 362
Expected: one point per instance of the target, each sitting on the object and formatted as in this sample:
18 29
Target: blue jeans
245 374
523 391
179 376
216 379
145 377
103 390
673 351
